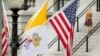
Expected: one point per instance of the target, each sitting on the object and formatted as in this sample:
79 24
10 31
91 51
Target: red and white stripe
63 29
4 42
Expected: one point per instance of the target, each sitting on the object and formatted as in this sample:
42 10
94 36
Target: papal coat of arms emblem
36 40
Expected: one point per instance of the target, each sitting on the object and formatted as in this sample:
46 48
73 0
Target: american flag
4 32
63 23
4 41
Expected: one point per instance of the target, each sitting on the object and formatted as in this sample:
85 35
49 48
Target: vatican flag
36 30
39 43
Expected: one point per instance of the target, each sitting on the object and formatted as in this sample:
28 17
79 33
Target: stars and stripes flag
63 23
5 30
4 41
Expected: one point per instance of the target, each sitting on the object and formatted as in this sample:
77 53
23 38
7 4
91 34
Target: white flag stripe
68 25
3 39
66 19
63 25
5 46
64 38
66 30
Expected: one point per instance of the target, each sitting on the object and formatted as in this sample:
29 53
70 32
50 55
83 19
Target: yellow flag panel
37 19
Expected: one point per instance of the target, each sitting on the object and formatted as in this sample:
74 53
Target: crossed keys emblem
36 40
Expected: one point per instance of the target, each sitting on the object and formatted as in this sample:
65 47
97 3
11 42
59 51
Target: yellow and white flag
36 30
